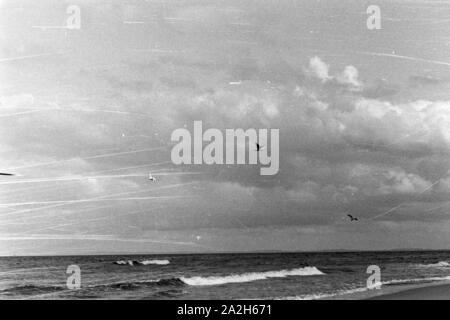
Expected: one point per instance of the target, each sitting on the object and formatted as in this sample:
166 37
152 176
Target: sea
302 276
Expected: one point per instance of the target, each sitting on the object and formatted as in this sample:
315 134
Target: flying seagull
6 174
259 147
151 178
352 218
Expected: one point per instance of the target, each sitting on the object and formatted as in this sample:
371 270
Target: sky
86 114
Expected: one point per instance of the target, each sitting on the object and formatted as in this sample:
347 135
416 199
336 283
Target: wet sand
434 292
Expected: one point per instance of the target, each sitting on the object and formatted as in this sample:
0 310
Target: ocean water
220 276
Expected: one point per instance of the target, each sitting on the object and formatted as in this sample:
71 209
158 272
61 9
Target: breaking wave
167 282
318 296
157 262
142 263
440 264
132 285
415 280
248 277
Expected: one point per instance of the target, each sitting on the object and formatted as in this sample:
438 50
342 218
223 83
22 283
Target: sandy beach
432 292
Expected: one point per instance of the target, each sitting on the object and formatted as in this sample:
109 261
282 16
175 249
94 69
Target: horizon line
230 252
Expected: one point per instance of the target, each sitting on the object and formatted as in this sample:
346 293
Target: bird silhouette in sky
259 147
151 178
352 218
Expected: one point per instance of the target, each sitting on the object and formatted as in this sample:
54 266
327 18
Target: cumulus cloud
350 76
417 124
326 139
320 68
374 181
320 127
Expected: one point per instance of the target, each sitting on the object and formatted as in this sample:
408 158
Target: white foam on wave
415 280
157 262
251 276
143 262
324 295
124 262
440 264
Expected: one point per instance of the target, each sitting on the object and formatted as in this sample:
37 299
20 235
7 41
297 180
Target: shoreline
437 291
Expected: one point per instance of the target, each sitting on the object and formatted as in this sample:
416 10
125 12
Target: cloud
350 77
326 136
375 181
444 185
340 150
418 124
320 68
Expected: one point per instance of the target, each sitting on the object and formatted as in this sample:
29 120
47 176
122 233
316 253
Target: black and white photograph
225 150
